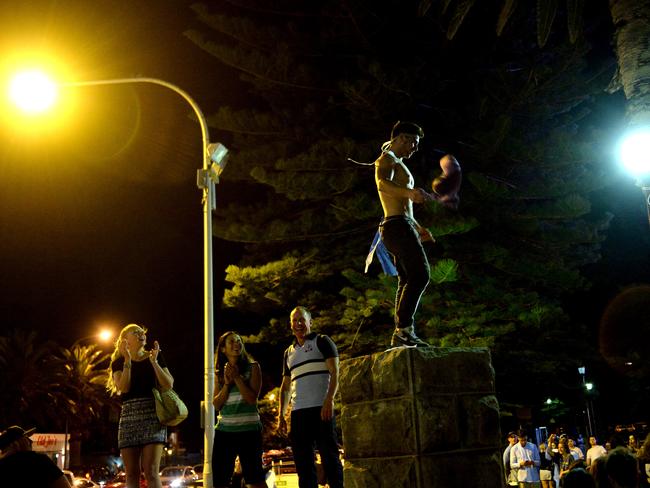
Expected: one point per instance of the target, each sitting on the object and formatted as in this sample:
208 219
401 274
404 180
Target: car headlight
176 483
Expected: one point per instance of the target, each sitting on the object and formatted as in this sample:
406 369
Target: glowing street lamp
33 91
214 158
634 156
104 335
588 387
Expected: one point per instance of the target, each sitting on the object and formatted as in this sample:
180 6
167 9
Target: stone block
467 469
438 421
479 421
355 380
391 373
378 429
381 473
450 370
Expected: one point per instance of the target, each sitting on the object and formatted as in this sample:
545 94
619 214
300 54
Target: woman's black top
143 377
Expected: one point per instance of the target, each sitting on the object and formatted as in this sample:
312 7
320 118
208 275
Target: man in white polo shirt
595 451
524 457
310 374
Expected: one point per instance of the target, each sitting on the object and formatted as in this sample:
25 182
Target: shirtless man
402 234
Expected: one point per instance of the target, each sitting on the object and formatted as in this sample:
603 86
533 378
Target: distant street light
104 335
588 387
634 155
24 87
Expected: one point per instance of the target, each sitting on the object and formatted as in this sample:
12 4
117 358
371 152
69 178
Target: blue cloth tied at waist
379 249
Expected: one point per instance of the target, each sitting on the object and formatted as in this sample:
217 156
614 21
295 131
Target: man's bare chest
402 176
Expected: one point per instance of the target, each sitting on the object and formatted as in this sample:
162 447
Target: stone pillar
420 418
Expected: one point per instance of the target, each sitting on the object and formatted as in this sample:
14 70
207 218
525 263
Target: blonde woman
133 372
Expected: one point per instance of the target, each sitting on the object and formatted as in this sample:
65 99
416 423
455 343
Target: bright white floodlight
635 152
32 91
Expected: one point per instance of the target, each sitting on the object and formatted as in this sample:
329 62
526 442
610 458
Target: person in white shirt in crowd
511 474
525 457
595 451
575 450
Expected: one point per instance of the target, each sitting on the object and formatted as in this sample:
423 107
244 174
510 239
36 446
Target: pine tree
326 82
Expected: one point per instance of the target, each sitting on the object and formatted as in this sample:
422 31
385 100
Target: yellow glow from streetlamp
33 91
105 335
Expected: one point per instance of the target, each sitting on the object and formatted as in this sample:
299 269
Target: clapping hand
124 350
153 354
230 373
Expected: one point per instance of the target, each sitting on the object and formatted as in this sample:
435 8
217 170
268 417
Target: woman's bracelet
127 366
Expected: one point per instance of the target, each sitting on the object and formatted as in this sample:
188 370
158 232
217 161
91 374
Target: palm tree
30 391
54 389
82 372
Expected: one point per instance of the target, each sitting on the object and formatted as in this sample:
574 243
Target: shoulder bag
169 407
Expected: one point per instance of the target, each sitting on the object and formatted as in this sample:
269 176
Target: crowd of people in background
310 383
560 462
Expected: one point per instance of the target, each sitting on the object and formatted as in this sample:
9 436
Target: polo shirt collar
308 337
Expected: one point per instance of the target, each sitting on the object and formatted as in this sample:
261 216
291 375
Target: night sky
100 220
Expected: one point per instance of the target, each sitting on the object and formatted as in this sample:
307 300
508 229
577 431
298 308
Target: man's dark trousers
403 242
307 431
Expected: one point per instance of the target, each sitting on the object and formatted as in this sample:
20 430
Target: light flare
634 152
33 91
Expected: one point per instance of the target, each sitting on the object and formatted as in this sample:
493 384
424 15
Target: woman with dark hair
563 458
239 428
133 373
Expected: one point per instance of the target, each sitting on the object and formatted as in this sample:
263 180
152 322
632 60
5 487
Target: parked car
69 475
83 483
175 476
120 481
198 469
99 473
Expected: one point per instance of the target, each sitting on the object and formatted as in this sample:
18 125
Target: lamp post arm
208 188
156 81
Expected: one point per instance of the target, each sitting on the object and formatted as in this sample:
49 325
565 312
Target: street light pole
646 193
206 179
582 372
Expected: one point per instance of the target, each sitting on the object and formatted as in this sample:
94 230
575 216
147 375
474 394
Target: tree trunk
632 43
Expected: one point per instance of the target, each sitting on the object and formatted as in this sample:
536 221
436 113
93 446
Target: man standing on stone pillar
310 374
401 234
